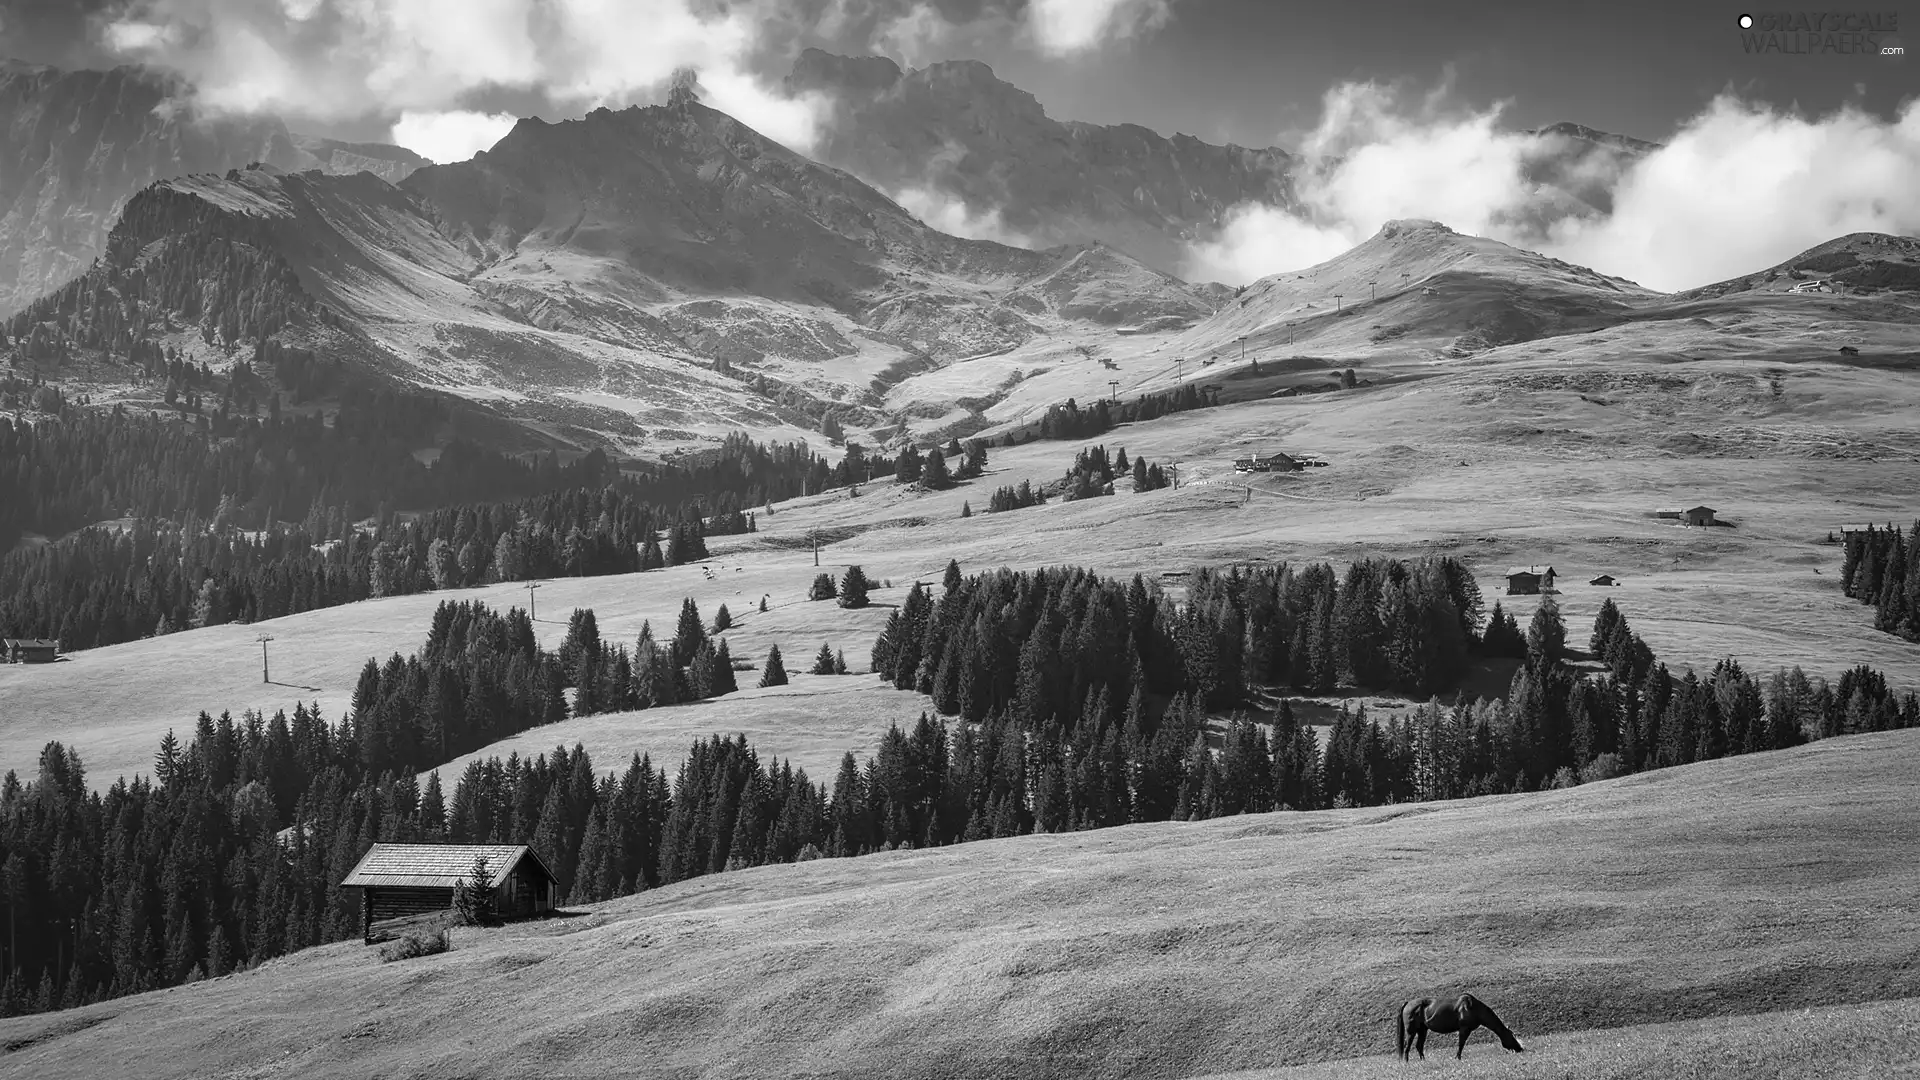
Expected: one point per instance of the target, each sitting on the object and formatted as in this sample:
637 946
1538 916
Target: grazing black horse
1462 1014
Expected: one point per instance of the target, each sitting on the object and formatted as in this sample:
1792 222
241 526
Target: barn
1700 515
29 650
1527 580
1605 579
398 880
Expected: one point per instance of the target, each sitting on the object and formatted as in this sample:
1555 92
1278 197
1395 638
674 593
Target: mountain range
651 278
81 143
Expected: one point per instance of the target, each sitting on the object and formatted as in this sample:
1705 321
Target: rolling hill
1619 927
1860 264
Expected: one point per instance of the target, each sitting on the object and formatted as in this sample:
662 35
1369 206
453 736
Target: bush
1604 767
413 944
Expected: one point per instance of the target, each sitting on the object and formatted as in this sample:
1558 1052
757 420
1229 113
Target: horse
1462 1014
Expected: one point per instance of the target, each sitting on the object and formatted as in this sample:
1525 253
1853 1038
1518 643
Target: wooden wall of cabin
383 902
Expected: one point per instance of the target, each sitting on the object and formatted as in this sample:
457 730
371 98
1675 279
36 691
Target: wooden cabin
29 650
1528 580
1699 515
1605 579
401 880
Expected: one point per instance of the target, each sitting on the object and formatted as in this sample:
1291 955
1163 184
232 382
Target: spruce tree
823 588
723 677
773 673
722 620
473 895
700 672
853 588
689 635
934 474
823 662
1547 634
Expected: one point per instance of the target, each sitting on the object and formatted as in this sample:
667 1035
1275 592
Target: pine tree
934 474
722 620
853 588
724 681
700 672
473 895
823 588
966 509
689 635
1547 634
823 662
773 673
839 663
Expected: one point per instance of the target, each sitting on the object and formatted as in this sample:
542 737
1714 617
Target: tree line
1053 643
1068 420
1881 567
104 586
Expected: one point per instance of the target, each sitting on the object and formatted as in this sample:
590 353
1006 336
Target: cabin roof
436 865
1691 509
31 643
1536 571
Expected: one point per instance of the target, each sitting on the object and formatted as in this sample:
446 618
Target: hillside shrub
414 944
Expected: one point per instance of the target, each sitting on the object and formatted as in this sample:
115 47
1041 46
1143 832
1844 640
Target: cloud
1742 187
952 216
1738 188
912 36
1067 27
344 59
1258 240
447 137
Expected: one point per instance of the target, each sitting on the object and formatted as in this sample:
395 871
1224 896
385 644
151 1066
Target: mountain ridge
85 141
659 262
958 127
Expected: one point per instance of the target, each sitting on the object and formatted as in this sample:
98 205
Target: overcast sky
1246 71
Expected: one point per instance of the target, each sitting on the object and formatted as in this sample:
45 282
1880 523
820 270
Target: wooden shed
29 650
1526 580
399 880
1700 515
1605 579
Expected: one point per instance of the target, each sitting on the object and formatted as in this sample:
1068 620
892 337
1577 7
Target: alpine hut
399 880
1527 580
29 650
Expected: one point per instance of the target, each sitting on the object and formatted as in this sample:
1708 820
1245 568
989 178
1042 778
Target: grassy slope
1745 886
1878 1039
1551 476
